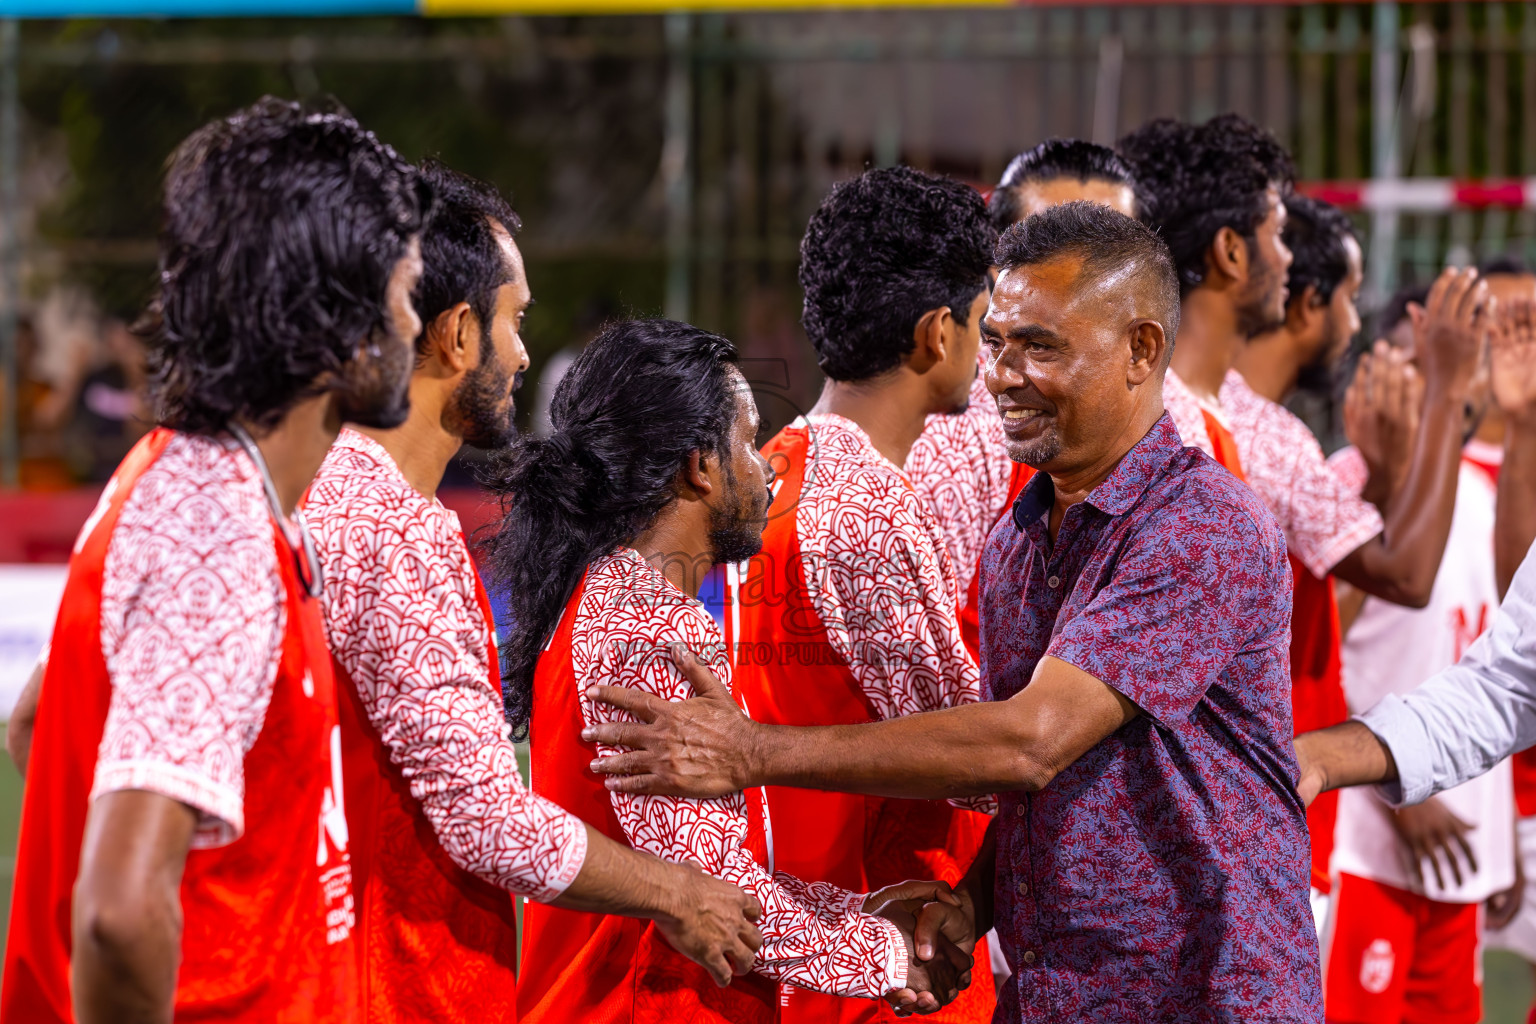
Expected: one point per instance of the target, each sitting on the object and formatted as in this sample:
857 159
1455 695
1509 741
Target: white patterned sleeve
405 624
959 466
192 628
1323 516
883 596
814 934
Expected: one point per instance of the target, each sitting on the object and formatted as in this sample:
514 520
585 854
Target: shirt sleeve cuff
573 856
895 966
220 808
1395 724
986 803
1321 561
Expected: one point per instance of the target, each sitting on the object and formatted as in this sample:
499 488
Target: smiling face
1069 363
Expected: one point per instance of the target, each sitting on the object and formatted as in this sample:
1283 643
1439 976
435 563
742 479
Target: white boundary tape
1425 195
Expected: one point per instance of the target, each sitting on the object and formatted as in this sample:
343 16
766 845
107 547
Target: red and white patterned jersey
188 660
192 620
959 465
405 623
880 576
1323 518
814 934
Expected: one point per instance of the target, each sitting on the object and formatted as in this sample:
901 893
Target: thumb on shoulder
698 674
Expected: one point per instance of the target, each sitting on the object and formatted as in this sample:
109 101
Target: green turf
10 817
1507 989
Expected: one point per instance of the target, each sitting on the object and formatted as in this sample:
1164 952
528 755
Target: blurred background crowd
666 163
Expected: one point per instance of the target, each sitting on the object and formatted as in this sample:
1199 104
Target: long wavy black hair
282 225
642 397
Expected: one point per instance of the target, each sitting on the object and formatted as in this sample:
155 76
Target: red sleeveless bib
437 943
599 968
789 674
258 913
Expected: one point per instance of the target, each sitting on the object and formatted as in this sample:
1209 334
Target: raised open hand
1449 332
1512 358
1381 416
694 748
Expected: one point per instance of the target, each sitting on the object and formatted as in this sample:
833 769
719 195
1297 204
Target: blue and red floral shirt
1164 875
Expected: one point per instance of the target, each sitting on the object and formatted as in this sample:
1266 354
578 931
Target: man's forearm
615 879
980 882
126 977
1343 755
1515 523
964 751
125 972
1402 565
127 919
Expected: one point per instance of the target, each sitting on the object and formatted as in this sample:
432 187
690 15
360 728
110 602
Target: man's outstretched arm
127 908
1455 726
1343 755
706 747
705 919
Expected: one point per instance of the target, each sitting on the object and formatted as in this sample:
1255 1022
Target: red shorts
1390 956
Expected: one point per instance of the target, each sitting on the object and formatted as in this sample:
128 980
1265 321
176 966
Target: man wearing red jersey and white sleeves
441 822
184 807
850 612
1215 192
1218 195
959 464
647 481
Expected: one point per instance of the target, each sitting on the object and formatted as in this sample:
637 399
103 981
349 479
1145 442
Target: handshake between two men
693 750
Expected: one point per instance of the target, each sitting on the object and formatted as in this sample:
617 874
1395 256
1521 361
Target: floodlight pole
677 165
10 277
1386 160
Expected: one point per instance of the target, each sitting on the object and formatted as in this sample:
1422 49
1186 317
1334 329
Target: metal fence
712 136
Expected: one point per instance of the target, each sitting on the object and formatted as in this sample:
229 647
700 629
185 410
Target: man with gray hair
1135 635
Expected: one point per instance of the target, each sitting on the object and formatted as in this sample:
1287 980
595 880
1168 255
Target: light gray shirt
1468 718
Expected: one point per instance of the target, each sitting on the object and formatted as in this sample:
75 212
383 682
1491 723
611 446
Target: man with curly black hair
184 808
853 597
1216 193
